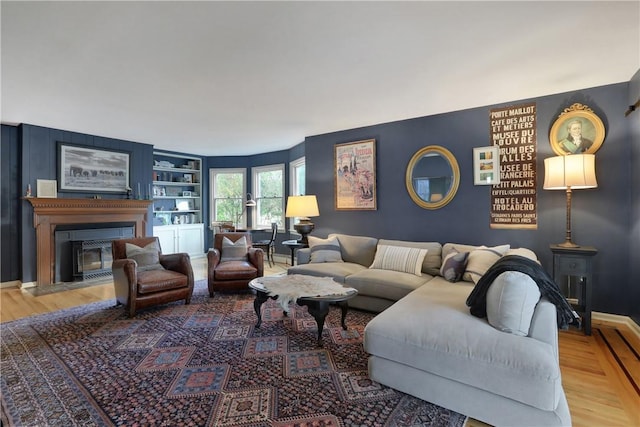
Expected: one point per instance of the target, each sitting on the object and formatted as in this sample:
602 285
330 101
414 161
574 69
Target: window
228 191
297 172
268 192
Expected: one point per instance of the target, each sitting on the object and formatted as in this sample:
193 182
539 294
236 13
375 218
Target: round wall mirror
432 177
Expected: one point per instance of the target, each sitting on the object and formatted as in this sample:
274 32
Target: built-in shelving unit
177 203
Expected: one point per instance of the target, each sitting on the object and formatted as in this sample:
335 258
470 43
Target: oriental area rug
203 364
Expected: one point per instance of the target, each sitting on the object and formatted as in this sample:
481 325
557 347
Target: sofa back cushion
479 260
399 258
324 250
357 249
433 260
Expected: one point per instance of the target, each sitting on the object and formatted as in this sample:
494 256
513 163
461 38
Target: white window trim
254 179
293 184
212 179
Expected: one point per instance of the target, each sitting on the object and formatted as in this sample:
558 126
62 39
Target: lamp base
568 244
304 227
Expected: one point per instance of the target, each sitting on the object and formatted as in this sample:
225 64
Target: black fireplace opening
91 259
83 251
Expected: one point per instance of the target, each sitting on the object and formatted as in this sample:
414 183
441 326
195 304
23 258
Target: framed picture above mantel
92 170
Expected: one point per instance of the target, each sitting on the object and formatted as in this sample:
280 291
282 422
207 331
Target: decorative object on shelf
302 207
186 194
355 175
575 172
187 178
28 193
47 188
576 130
128 189
90 170
486 166
432 177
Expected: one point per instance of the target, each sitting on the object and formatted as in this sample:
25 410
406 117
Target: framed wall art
355 175
576 130
486 166
92 170
47 188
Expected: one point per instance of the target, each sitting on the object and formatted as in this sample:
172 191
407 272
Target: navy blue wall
601 217
606 217
38 160
634 246
10 202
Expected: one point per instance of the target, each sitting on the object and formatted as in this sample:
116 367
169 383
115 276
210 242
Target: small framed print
47 188
186 194
486 166
187 177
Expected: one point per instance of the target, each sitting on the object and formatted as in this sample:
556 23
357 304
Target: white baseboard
12 284
616 318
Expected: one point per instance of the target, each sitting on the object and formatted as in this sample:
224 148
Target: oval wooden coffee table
318 306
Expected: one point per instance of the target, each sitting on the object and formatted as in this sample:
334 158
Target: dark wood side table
293 245
573 272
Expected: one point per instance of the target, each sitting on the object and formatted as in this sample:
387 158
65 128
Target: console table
573 266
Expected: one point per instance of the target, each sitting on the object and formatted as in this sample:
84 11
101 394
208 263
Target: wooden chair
269 246
233 275
139 284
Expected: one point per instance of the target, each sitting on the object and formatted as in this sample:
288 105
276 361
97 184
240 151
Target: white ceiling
239 78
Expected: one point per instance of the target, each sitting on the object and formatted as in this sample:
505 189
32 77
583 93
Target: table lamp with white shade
302 207
570 172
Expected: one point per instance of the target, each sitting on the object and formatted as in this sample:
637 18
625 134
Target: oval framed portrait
577 130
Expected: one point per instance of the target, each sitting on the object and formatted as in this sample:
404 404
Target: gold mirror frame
455 169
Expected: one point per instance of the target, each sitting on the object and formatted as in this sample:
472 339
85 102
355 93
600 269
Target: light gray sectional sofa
426 343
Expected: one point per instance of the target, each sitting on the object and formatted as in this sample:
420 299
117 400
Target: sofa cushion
432 261
398 258
481 259
234 251
385 284
511 301
453 344
524 252
147 258
454 265
357 249
324 250
338 270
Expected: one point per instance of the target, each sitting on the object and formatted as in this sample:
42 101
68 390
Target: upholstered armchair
233 263
143 276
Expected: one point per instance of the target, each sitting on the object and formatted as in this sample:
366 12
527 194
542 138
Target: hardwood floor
600 373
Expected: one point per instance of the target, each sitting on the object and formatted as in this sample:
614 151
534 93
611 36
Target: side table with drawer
573 272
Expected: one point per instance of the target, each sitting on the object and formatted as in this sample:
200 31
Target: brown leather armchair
236 274
143 286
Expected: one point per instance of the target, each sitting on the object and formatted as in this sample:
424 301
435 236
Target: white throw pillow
399 258
511 301
324 250
148 258
480 260
234 251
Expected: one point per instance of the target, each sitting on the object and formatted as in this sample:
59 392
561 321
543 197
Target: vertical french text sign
513 201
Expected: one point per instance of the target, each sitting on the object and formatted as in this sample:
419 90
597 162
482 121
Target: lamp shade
250 203
302 206
574 171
